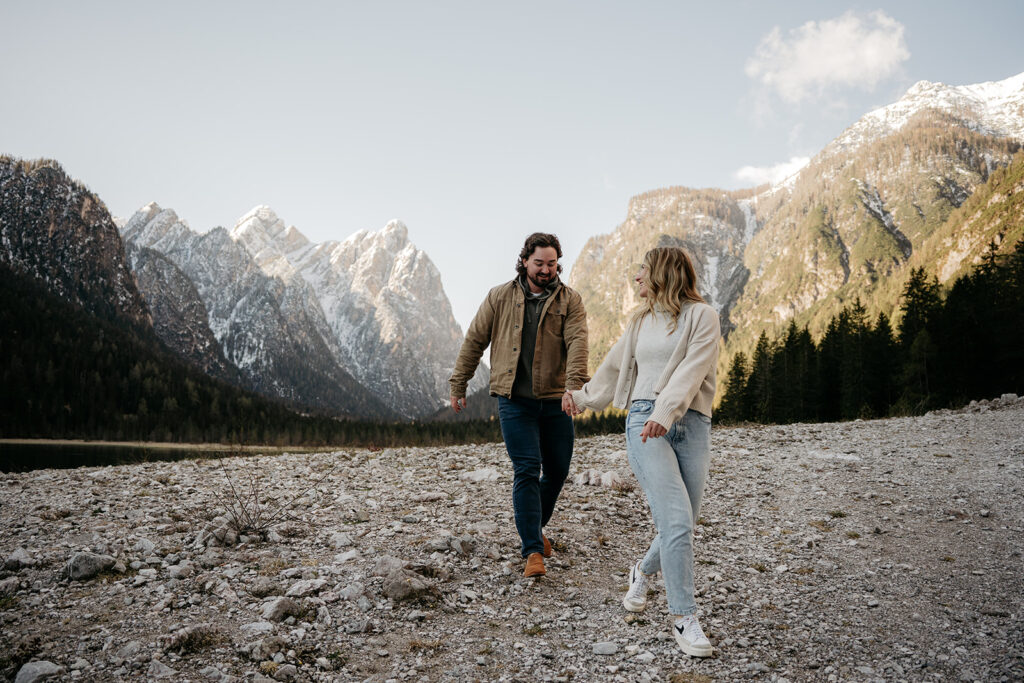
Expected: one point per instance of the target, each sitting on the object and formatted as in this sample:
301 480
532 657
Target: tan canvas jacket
559 359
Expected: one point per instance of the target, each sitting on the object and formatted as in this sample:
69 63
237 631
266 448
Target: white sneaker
636 596
691 638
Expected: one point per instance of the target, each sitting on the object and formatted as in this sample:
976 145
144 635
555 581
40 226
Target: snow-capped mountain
270 330
995 108
875 202
389 321
179 316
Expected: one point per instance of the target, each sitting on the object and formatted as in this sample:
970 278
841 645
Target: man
537 329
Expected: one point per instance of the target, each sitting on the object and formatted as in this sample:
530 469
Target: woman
663 370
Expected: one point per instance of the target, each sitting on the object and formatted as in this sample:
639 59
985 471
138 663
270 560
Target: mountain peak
395 235
261 220
992 108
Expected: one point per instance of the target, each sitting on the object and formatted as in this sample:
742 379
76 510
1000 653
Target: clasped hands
569 406
651 429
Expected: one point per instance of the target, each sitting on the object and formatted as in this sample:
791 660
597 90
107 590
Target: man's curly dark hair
538 239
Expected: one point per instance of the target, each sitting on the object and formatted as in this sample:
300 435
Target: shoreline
171 445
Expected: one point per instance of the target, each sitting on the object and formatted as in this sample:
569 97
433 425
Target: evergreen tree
882 367
853 393
759 395
732 407
829 366
920 303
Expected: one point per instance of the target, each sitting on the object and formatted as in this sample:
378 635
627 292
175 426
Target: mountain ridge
845 226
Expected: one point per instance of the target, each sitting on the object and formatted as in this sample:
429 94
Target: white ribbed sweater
687 381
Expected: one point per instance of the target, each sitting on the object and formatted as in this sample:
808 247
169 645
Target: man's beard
541 283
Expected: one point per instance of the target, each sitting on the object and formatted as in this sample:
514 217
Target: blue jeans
672 470
539 438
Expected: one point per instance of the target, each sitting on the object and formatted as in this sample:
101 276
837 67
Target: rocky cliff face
179 315
56 231
385 315
849 225
714 227
265 326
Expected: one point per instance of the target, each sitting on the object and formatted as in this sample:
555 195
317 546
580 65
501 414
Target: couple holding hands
662 370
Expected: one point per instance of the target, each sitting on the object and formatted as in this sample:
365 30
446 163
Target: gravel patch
859 551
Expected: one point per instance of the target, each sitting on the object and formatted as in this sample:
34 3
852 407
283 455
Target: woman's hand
653 430
569 405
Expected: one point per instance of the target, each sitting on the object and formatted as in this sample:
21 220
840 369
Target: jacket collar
550 289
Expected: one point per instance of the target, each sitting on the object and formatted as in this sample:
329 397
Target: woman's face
641 285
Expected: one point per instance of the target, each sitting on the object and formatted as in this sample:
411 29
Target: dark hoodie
523 385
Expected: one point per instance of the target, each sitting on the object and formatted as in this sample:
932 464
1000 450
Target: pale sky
475 123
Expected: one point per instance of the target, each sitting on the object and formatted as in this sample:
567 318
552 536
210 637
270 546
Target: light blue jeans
672 470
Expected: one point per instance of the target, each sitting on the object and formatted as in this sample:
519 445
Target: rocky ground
860 551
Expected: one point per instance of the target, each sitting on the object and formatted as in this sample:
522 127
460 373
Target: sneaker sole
632 608
689 648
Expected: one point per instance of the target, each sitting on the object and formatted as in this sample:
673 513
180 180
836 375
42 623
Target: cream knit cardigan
688 380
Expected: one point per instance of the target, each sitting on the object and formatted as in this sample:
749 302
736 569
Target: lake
24 456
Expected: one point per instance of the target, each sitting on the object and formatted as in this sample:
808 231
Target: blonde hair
671 281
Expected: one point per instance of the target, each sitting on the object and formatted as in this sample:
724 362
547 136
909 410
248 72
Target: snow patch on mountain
993 108
388 319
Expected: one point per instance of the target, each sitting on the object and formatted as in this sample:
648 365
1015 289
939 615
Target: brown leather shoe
534 565
547 546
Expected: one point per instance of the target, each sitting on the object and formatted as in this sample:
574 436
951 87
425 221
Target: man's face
541 268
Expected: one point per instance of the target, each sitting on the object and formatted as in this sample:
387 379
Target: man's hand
653 430
569 405
458 403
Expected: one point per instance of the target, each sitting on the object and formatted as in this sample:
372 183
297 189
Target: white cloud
758 175
851 50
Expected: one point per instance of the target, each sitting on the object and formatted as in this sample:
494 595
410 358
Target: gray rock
280 608
403 584
301 589
611 480
286 672
485 474
9 586
438 544
268 647
429 496
83 566
386 564
261 587
257 628
38 671
341 540
484 528
144 546
130 649
605 648
352 591
158 669
463 545
18 559
358 626
180 571
347 556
